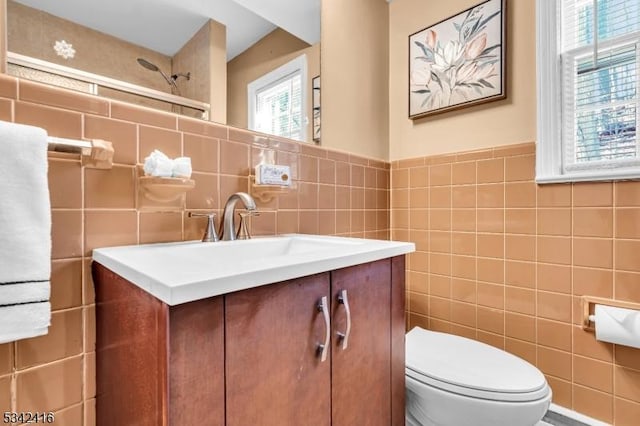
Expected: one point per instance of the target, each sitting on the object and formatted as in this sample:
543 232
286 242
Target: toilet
455 381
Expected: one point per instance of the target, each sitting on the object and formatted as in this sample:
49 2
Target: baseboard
560 416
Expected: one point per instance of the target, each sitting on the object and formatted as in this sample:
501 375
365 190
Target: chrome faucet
228 230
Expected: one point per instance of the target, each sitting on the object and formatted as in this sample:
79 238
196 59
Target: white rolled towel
182 167
158 164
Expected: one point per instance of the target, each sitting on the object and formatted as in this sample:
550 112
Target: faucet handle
210 233
243 230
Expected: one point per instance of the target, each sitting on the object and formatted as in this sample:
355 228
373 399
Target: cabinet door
361 372
274 375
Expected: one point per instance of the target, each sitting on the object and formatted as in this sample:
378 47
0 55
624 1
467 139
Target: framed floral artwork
458 62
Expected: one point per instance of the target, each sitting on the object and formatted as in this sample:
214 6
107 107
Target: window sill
608 175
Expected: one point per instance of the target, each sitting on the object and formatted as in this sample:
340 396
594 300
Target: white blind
278 107
600 58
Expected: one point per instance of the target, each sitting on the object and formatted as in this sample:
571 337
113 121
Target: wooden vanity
254 356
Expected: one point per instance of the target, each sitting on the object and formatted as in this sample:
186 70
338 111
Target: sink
185 271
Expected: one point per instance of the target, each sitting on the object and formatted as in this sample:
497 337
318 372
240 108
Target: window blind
278 107
600 58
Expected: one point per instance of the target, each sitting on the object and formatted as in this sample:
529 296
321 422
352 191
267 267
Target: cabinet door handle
323 349
344 300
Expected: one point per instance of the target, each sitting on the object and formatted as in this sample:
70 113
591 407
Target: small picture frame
459 61
315 84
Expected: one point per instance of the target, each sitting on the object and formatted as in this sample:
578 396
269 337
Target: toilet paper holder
588 306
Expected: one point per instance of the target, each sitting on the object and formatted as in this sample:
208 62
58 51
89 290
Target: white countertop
186 271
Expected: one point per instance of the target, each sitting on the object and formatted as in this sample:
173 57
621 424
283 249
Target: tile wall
505 261
336 193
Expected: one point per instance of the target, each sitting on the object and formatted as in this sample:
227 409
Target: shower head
148 65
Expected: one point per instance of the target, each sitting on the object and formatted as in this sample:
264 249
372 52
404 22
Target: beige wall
275 49
32 33
204 55
497 123
355 78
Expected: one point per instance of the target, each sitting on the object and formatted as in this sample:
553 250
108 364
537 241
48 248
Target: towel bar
95 153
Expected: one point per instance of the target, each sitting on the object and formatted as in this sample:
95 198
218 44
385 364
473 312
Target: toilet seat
471 368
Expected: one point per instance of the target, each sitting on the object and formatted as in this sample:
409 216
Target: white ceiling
166 25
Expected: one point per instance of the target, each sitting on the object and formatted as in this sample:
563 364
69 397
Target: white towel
25 233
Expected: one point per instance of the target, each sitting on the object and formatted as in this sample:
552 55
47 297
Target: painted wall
355 78
33 33
273 50
509 121
204 55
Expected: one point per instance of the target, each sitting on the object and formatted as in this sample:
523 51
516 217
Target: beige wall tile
553 278
70 416
123 136
555 195
463 173
628 223
167 141
57 122
490 220
553 334
160 227
63 376
491 195
627 383
593 282
463 243
463 290
520 168
491 320
596 253
524 350
491 270
463 313
520 221
522 327
520 194
5 393
520 247
110 189
136 114
627 286
65 179
626 412
440 175
520 300
554 306
593 194
66 233
554 222
109 228
203 152
491 295
589 222
440 197
490 171
66 284
554 362
63 340
627 194
520 274
626 255
554 250
419 177
562 391
593 403
6 358
490 245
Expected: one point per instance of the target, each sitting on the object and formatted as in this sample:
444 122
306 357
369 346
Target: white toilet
455 381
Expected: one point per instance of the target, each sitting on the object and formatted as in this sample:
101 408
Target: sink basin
182 272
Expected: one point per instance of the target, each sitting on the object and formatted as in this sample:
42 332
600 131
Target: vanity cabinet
255 356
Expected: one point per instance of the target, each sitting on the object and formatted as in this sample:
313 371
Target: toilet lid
471 368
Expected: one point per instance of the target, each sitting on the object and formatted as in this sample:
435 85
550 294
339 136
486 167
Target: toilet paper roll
617 325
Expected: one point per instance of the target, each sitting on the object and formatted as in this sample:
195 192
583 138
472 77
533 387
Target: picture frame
459 61
315 108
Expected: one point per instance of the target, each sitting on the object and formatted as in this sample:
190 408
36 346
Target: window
588 56
277 101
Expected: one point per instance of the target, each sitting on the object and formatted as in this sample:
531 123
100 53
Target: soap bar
273 174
